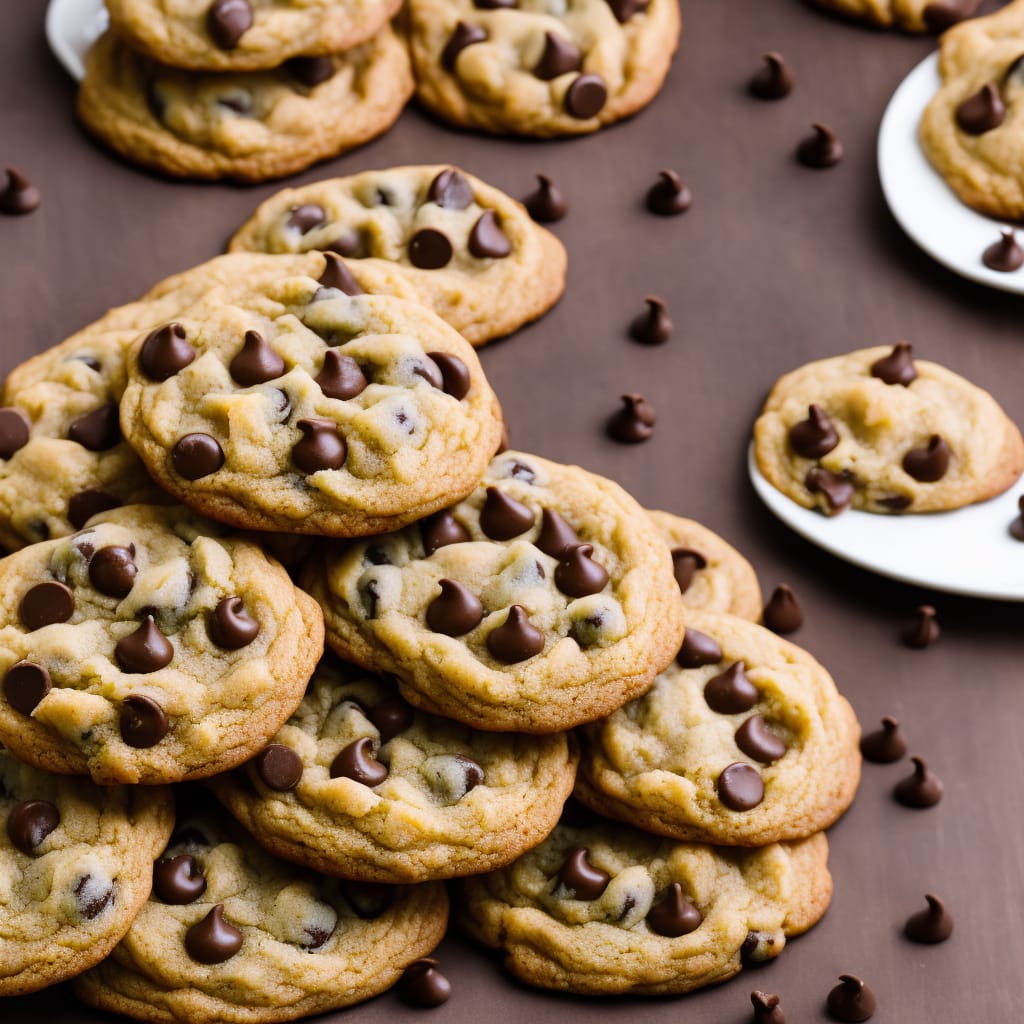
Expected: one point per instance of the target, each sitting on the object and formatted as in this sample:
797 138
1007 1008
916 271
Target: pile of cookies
273 451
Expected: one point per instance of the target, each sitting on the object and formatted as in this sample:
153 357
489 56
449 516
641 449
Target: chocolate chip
391 717
502 517
668 196
307 216
86 504
885 745
555 533
634 422
143 721
487 240
455 611
559 57
321 447
454 374
237 100
922 789
1017 526
766 1008
231 627
673 915
586 97
317 936
424 985
19 195
112 571
837 489
740 787
145 650
495 5
429 249
934 924
1006 255
337 276
520 471
814 436
348 243
30 822
369 594
91 361
98 430
430 372
310 72
930 463
473 774
45 604
698 649
463 36
577 574
14 431
516 639
213 940
91 900
546 203
685 564
165 352
783 614
368 899
357 762
897 367
654 326
178 880
340 376
450 190
851 1000
758 947
625 9
25 685
441 529
982 111
580 877
924 630
754 739
820 150
731 692
227 21
279 767
197 455
256 362
774 81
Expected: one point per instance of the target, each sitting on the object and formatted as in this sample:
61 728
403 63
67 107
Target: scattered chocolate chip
310 72
634 422
698 649
930 463
213 940
502 517
885 745
306 217
231 627
86 504
940 16
279 767
367 899
922 789
1017 526
898 366
838 489
981 112
820 150
143 722
577 574
767 1009
487 240
731 692
357 762
783 614
450 190
851 1000
685 564
197 455
337 276
178 880
227 21
14 431
19 195
112 571
391 717
429 249
546 204
1006 255
929 926
814 436
98 430
441 529
45 604
455 611
668 196
580 877
625 9
516 639
430 372
559 57
454 374
25 685
754 739
30 822
145 650
165 352
740 787
463 36
92 902
555 533
423 985
652 327
924 630
256 362
321 447
586 97
340 376
774 81
673 915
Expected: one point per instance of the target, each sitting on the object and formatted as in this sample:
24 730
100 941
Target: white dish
72 26
968 551
925 207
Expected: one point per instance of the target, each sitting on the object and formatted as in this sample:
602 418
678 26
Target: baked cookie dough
744 740
908 15
232 935
75 868
361 785
539 67
883 432
609 910
244 126
462 247
148 648
543 600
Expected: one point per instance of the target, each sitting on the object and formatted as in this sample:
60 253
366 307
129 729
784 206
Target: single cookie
232 935
306 409
744 740
883 432
244 126
908 15
605 909
533 67
360 784
712 575
147 648
246 35
463 248
969 130
75 868
543 600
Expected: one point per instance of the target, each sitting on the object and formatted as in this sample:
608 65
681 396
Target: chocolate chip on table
814 436
165 352
577 574
310 72
455 611
98 430
634 422
625 9
586 97
754 739
766 1008
143 722
924 630
46 603
580 877
982 111
774 81
450 190
668 196
357 762
730 692
423 985
463 36
256 362
441 529
555 533
546 203
197 455
502 517
559 57
673 915
429 249
279 767
740 787
652 327
838 489
487 240
340 376
391 717
321 446
231 627
144 650
227 21
86 504
1017 526
929 926
1006 255
178 880
821 149
18 195
337 276
851 1000
112 570
921 789
30 822
25 685
14 431
884 745
930 463
516 639
454 374
698 649
783 614
213 940
898 366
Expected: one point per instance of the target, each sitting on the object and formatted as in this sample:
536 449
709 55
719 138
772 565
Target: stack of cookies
272 451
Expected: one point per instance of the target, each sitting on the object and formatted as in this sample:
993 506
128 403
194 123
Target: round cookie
463 248
607 910
543 600
908 15
146 648
75 868
744 741
245 125
883 432
535 67
712 575
361 785
232 935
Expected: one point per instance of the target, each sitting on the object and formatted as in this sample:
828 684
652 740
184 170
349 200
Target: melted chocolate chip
256 362
86 504
231 626
559 57
487 240
1006 255
430 249
897 367
455 611
653 327
178 880
98 430
577 574
310 72
820 150
934 924
30 822
555 533
516 639
337 276
348 243
673 915
196 456
814 436
774 81
625 9
586 97
45 604
1017 526
685 564
14 431
740 787
922 789
981 112
441 529
754 739
546 204
454 374
357 762
391 717
307 216
698 649
321 447
423 985
91 903
930 463
766 1008
19 195
165 352
851 1000
837 489
731 692
668 196
450 190
213 940
143 722
634 422
463 36
885 745
580 877
783 614
227 21
145 650
340 376
502 517
25 685
924 630
279 767
112 571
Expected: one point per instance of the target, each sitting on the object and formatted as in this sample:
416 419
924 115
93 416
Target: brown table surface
774 265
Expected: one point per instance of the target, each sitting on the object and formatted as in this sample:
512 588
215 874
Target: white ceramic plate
72 26
924 205
969 551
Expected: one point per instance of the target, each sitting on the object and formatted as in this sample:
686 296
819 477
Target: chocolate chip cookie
244 125
884 432
462 247
543 600
75 869
148 648
360 784
535 67
605 909
908 15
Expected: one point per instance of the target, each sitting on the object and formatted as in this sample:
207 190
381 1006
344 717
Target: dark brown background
774 265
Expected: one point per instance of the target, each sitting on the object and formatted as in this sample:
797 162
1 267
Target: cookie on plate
462 247
744 740
908 15
604 909
245 125
304 408
148 648
543 600
76 865
361 785
538 68
883 432
232 935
